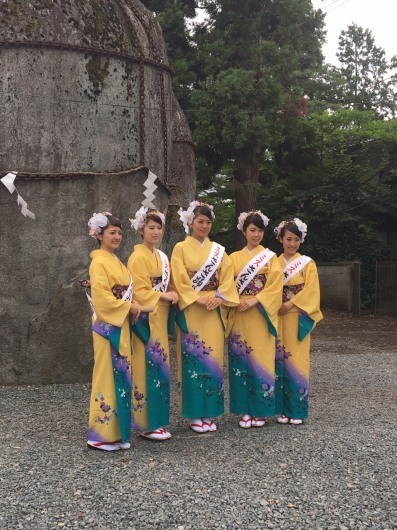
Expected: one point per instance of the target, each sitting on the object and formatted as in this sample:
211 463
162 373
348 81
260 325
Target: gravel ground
337 471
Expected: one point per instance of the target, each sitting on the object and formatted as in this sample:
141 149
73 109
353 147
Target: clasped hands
171 296
135 310
285 308
209 303
247 303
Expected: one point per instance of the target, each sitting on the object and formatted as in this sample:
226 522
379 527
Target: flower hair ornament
97 223
141 215
302 227
243 216
187 216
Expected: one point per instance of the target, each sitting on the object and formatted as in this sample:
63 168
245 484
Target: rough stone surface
182 188
337 471
44 319
69 110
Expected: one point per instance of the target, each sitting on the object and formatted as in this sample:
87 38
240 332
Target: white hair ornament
141 215
187 216
301 226
97 223
243 216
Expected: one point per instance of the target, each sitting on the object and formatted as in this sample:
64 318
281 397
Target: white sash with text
294 267
202 277
165 275
251 269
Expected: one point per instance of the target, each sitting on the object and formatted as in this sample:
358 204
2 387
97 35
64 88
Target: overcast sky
380 16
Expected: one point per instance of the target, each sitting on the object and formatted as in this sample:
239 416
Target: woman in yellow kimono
109 292
202 275
150 270
254 325
299 313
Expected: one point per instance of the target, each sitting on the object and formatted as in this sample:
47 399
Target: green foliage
221 196
254 61
246 74
335 171
365 79
237 125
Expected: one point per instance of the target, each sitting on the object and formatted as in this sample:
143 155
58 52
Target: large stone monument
86 109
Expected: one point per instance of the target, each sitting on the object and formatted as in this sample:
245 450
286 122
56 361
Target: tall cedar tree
365 79
256 58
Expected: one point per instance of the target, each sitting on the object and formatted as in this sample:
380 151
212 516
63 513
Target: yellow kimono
201 333
110 405
293 348
150 357
252 338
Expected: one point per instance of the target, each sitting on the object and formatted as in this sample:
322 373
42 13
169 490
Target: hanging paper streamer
8 182
150 189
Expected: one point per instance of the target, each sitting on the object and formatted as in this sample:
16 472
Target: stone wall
340 285
86 107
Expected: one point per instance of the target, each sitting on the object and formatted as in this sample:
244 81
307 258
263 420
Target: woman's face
151 233
111 238
254 236
291 243
201 226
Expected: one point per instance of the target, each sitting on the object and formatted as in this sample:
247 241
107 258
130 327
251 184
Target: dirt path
358 333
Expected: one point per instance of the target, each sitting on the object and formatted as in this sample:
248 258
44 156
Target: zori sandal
283 420
103 446
158 435
258 422
198 425
211 425
123 445
245 422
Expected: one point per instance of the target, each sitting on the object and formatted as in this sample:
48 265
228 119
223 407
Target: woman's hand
202 300
171 296
175 297
209 303
213 303
135 310
247 303
285 308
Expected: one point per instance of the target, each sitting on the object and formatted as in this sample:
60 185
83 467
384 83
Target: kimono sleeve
271 296
308 300
107 308
227 288
144 293
180 279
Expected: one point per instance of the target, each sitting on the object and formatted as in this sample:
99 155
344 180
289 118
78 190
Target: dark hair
255 219
112 221
152 215
291 227
203 209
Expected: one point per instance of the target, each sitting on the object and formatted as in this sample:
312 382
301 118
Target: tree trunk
246 177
